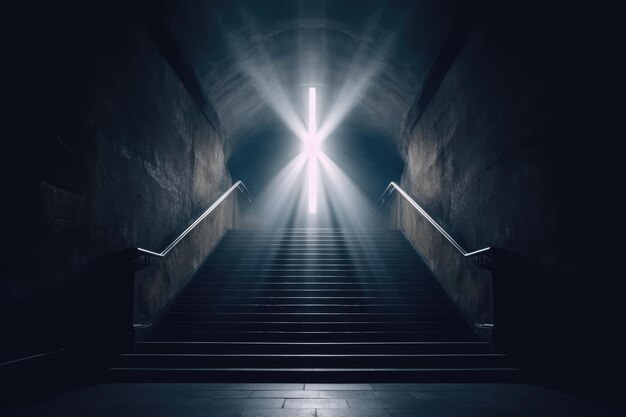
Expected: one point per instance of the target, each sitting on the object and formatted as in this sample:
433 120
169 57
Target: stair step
268 263
305 250
310 285
315 281
374 247
311 375
346 253
308 326
321 300
313 305
320 276
310 293
310 317
348 242
309 268
230 360
320 257
313 347
313 308
312 230
312 336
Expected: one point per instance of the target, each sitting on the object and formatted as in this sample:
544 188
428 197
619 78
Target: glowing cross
312 150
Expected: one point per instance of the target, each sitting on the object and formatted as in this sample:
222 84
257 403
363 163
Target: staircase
313 305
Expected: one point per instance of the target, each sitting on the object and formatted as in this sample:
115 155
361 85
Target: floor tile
405 387
347 394
338 387
316 403
37 412
201 386
285 394
409 412
286 400
227 394
425 395
168 402
204 412
247 403
199 394
347 412
283 412
119 412
69 403
267 387
394 394
397 403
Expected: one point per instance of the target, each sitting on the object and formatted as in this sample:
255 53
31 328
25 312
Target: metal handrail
239 185
30 357
395 187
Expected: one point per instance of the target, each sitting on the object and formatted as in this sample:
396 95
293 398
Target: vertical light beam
312 152
312 123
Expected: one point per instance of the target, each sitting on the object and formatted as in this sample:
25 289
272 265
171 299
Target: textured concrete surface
253 57
121 157
497 159
314 400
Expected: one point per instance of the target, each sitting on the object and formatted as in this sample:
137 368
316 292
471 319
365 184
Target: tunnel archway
128 119
255 60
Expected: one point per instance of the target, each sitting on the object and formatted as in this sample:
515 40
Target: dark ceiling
253 57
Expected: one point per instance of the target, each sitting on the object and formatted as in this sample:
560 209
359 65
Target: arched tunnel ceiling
254 58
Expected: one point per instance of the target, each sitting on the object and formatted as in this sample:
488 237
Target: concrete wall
507 153
108 151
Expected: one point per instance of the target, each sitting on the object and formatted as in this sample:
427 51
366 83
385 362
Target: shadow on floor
560 327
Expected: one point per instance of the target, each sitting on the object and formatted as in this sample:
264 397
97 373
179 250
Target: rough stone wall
118 155
478 162
508 154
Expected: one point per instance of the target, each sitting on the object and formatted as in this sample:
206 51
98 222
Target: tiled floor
314 400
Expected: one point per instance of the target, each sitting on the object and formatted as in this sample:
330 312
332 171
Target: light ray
279 202
358 80
256 63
